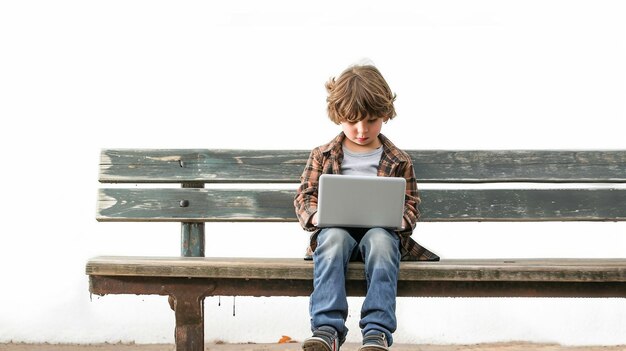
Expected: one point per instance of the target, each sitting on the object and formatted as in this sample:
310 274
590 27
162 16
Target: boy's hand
405 224
314 219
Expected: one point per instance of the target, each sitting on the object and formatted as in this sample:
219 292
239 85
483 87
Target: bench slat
525 270
274 205
431 166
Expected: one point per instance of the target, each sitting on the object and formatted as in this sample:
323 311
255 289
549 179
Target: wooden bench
190 278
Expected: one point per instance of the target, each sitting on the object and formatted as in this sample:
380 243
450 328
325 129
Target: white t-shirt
366 163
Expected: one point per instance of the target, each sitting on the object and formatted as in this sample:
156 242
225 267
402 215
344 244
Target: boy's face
362 136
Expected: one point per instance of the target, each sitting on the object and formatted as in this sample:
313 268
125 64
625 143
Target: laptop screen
360 201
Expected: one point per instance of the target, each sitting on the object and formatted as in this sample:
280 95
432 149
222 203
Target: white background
77 76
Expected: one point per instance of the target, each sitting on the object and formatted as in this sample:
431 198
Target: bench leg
189 311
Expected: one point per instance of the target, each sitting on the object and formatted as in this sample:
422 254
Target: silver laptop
360 201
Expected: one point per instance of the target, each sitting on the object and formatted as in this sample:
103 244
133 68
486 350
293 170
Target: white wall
77 76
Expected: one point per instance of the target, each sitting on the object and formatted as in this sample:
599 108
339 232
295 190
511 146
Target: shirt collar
336 146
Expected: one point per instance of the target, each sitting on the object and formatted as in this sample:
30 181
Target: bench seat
293 277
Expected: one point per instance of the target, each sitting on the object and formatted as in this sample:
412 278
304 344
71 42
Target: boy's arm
305 201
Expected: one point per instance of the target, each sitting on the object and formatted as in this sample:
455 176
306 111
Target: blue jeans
380 251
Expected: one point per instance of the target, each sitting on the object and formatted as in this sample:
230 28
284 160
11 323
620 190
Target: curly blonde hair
360 92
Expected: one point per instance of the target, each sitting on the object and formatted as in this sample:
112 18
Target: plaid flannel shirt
326 159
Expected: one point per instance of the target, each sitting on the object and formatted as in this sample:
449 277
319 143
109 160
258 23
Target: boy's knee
334 241
381 242
336 237
379 237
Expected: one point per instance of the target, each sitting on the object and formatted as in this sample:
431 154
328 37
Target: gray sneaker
324 339
374 342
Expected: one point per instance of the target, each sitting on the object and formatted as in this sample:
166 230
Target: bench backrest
193 204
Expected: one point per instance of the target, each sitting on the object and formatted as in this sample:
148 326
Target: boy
360 101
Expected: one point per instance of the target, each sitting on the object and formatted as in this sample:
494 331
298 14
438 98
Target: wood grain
272 205
431 166
525 270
